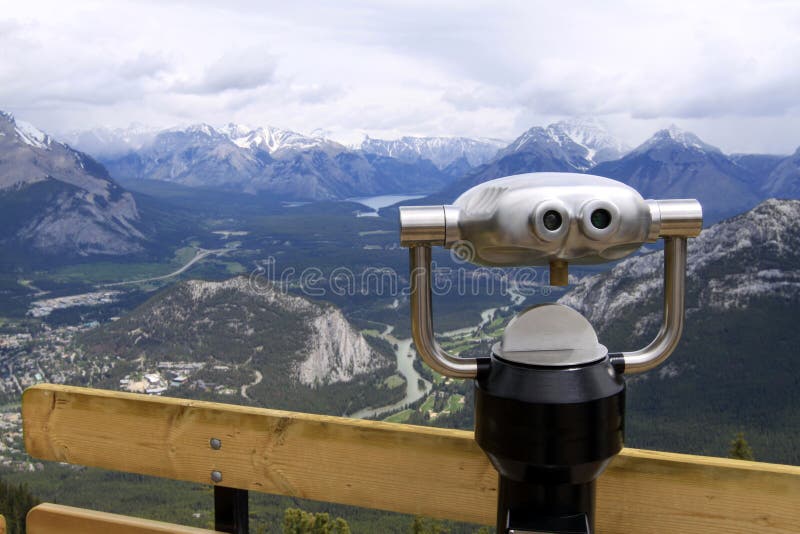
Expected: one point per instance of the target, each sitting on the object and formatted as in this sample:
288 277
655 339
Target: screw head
216 444
216 476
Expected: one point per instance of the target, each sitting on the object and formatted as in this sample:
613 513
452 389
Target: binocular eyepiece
549 219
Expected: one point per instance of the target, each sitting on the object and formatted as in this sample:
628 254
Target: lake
380 201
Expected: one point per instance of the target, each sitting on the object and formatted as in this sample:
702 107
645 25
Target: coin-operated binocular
549 399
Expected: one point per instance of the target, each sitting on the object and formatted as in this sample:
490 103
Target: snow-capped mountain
551 146
674 137
677 164
592 135
110 142
272 161
197 155
117 142
442 151
277 142
581 143
567 146
56 200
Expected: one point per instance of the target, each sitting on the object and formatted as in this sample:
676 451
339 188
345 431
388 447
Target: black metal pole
551 508
230 510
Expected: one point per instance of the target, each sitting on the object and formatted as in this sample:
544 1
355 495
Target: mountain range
58 201
267 160
444 152
677 164
671 164
568 146
61 201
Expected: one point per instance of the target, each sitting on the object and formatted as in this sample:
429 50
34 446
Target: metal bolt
216 444
216 476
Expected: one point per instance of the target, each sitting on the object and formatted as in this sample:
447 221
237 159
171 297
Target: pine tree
15 501
296 521
420 525
740 449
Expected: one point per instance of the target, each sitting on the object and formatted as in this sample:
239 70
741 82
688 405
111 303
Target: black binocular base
545 508
549 432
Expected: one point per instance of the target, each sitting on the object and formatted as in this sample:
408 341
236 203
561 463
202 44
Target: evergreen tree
740 449
420 525
15 501
296 521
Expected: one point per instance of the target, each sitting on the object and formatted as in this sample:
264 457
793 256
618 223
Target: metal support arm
422 321
674 310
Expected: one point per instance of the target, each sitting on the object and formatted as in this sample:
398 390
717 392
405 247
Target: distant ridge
57 201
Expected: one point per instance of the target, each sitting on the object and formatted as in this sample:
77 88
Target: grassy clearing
428 404
107 271
394 381
399 417
371 332
233 267
455 403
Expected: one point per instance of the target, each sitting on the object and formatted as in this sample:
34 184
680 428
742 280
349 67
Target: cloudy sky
727 70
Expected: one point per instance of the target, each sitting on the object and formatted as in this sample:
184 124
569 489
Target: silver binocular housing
549 219
542 218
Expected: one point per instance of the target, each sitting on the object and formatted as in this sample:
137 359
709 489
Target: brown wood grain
49 518
416 470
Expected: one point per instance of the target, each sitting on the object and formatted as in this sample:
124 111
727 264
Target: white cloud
725 69
233 71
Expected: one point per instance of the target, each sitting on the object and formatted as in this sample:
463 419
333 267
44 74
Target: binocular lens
600 219
552 220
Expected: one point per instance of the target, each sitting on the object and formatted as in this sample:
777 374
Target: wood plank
649 491
402 468
49 518
424 471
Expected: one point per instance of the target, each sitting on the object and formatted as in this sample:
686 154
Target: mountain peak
234 130
276 141
25 131
673 135
33 136
200 128
72 206
441 151
593 135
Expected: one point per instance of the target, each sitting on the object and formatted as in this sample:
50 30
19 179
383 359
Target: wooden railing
400 468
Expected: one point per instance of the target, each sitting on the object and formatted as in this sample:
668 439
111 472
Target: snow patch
31 135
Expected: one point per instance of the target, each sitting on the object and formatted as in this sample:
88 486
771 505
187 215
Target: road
198 255
245 387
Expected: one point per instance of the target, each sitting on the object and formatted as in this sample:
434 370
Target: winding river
405 366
